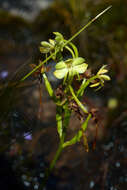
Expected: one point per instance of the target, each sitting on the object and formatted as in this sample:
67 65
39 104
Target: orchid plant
69 71
66 97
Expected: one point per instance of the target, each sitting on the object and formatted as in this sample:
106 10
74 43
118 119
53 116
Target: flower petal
61 65
105 77
80 68
45 44
102 70
60 73
78 61
95 84
52 42
44 50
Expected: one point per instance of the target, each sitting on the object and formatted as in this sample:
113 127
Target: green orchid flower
59 39
70 67
101 73
47 47
101 76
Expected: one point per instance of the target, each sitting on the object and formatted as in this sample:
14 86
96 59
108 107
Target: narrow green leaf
49 87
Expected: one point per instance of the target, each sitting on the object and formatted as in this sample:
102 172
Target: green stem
59 120
60 147
85 124
58 152
77 100
79 134
89 23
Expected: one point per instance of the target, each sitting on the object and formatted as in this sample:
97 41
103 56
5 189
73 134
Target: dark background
28 142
